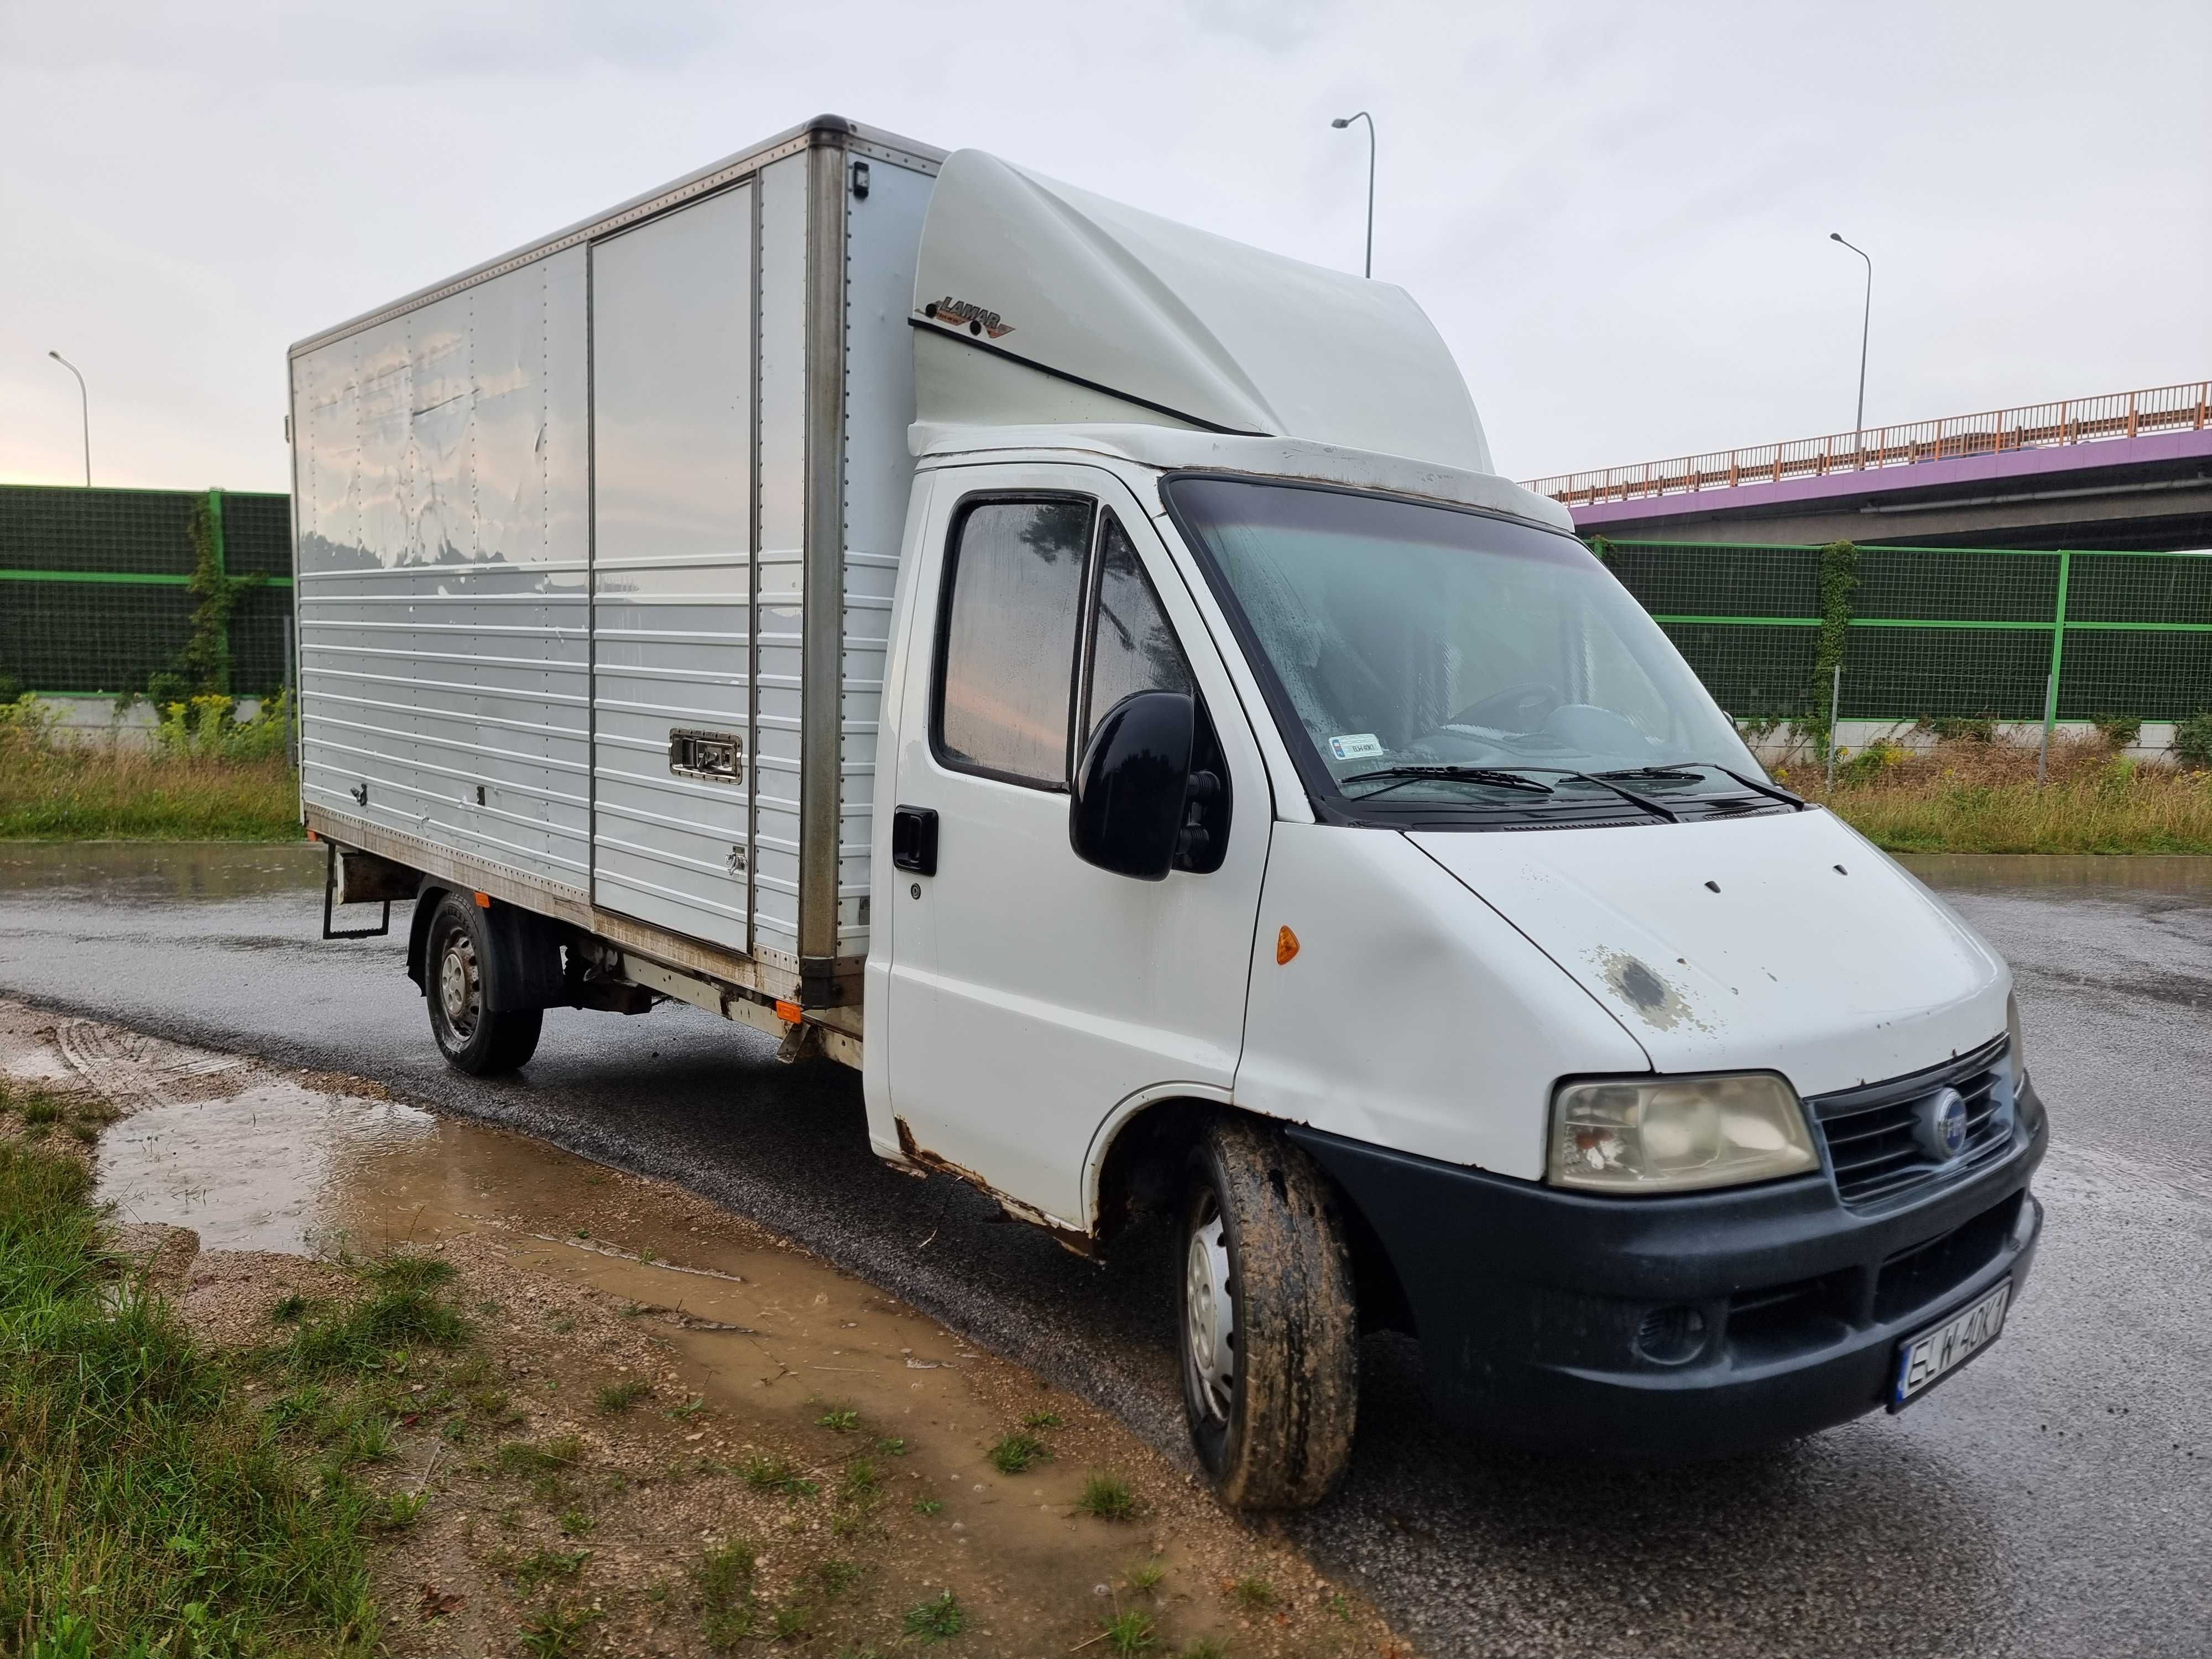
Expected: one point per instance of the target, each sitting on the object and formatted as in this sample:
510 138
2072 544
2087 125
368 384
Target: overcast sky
1618 214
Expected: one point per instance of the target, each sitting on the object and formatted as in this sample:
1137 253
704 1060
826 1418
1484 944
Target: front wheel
1269 1329
481 1041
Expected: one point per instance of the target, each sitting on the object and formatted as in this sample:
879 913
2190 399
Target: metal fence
2183 408
1937 632
93 585
93 599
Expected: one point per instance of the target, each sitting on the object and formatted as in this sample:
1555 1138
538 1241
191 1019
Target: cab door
1030 992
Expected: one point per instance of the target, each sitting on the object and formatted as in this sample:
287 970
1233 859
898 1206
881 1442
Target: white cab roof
1134 314
1172 449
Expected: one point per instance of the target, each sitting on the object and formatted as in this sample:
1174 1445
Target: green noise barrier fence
95 597
1923 633
95 586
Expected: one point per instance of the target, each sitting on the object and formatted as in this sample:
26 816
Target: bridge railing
2036 426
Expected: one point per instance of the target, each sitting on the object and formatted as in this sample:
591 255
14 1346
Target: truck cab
1190 785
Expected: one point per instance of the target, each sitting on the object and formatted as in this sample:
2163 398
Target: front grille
1870 1131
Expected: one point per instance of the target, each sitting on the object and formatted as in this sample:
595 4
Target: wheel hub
459 993
1210 1316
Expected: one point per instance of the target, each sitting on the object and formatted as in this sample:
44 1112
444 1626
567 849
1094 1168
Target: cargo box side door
673 429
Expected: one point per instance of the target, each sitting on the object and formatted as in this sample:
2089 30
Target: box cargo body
596 546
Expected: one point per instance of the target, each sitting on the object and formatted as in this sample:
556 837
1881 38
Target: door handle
914 839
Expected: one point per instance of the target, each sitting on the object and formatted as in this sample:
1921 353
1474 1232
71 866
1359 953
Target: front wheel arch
1140 1172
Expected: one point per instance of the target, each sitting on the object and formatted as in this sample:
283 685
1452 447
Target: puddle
583 1263
157 871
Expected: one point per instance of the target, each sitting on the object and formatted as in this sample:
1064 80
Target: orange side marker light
1286 945
484 901
788 1012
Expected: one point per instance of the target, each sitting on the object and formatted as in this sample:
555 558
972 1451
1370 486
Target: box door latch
717 757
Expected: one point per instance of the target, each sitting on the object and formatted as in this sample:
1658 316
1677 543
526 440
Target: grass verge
149 1509
52 789
1965 796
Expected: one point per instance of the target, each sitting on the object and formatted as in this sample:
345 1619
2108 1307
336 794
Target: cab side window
1006 654
1132 647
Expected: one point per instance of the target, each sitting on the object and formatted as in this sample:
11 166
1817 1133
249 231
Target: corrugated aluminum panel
673 492
441 474
883 233
780 646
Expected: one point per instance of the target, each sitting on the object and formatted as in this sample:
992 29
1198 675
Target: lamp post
1346 121
84 408
1866 321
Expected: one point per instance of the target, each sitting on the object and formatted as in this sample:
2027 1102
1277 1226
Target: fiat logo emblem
1942 1126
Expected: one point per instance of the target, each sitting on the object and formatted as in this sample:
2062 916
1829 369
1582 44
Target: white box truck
1086 674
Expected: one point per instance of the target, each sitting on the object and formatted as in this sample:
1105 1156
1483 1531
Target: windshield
1404 636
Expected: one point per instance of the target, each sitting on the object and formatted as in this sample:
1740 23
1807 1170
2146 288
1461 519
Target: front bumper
1677 1327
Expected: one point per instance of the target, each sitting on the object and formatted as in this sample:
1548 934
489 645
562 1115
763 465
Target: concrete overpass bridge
2126 470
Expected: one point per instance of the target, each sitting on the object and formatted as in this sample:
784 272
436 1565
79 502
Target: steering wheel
1521 707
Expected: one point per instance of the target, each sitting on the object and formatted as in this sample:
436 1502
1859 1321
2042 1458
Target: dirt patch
672 1432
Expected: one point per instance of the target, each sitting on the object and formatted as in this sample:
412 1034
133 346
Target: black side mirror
1132 786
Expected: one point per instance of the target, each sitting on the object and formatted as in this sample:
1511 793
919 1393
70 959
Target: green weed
938 1619
621 1396
724 1578
551 1633
1129 1632
1015 1452
1107 1497
765 1473
839 1419
863 1480
792 1621
545 1566
1040 1419
373 1332
556 1456
1256 1594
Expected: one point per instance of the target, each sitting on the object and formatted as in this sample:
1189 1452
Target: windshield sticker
1356 745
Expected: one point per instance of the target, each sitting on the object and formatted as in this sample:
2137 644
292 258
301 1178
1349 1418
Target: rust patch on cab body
1648 993
912 1151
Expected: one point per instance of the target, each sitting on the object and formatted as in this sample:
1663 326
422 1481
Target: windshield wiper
1403 776
1774 791
1603 780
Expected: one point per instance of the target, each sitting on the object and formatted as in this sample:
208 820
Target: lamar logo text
956 312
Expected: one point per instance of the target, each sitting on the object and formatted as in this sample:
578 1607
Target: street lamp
1346 121
1866 321
84 408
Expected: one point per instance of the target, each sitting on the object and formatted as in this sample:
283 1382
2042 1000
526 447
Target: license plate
1926 1359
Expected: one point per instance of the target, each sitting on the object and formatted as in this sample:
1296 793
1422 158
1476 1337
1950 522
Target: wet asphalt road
2055 1499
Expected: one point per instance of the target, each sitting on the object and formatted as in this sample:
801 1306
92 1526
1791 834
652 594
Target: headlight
2012 1036
1676 1134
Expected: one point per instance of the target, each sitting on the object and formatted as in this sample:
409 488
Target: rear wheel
479 1040
1268 1326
